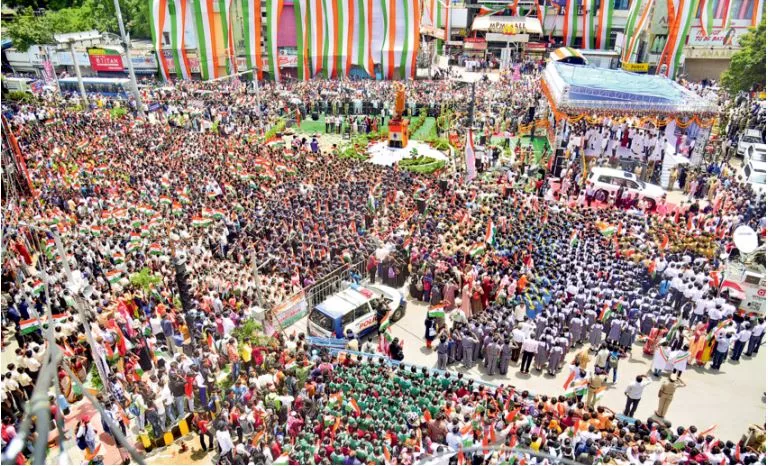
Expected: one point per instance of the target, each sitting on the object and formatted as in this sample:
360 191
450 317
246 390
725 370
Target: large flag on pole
469 157
707 13
179 13
588 25
604 23
159 16
274 11
570 22
252 35
206 38
678 31
639 14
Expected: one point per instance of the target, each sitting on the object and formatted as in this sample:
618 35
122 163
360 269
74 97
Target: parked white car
754 174
750 141
609 180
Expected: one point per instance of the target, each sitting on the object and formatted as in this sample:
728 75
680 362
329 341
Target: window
630 184
752 280
166 38
348 318
621 4
362 311
604 179
612 40
321 320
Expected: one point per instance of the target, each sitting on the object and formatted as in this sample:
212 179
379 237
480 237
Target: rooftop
579 87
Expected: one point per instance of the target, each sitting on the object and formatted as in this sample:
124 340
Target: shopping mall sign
506 28
105 59
719 37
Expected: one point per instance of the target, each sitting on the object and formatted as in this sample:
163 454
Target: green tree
28 29
747 68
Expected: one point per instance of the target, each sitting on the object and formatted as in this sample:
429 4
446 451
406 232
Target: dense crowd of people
524 270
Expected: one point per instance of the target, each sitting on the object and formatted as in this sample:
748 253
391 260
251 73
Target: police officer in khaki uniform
666 393
595 383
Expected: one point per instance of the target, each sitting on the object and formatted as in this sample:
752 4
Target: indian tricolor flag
37 287
605 229
184 198
60 318
200 221
386 322
49 248
605 314
158 17
155 249
176 208
165 200
114 276
574 238
165 182
437 311
579 387
118 257
218 214
120 214
28 326
477 249
268 174
490 232
107 218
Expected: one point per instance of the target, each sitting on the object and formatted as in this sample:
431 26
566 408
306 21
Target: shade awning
567 54
507 24
734 289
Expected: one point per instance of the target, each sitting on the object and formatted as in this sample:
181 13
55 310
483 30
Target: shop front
507 37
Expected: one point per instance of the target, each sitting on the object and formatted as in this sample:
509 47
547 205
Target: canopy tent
578 88
568 55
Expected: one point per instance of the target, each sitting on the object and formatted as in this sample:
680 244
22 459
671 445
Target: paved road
731 398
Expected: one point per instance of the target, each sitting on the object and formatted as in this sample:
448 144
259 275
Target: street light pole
258 93
472 107
127 47
76 300
79 75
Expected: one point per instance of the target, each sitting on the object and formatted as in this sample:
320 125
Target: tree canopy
747 68
28 28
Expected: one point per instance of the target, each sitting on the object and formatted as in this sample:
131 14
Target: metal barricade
332 283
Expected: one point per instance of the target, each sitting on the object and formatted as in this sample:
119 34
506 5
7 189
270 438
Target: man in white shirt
634 392
741 340
757 337
530 346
